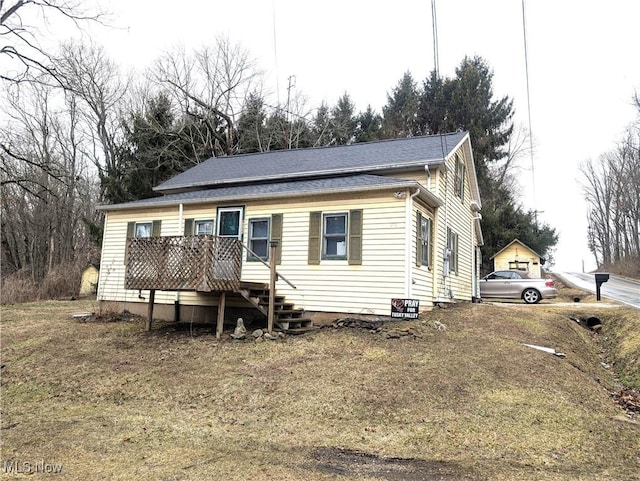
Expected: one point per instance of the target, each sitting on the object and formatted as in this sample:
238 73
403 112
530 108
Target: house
89 280
517 255
356 227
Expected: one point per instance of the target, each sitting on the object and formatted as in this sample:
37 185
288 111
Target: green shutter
355 237
131 232
155 228
188 226
419 239
315 220
276 235
462 182
430 242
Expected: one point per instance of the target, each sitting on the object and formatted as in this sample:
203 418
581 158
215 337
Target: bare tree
211 85
47 186
505 171
93 79
612 190
21 40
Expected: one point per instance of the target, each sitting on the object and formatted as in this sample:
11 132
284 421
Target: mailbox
601 277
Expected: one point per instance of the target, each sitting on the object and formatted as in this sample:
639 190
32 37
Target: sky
582 62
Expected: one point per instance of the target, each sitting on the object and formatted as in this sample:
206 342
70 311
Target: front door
230 222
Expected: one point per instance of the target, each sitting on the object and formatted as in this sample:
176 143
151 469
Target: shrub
18 287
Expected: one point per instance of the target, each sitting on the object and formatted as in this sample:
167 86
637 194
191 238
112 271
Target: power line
526 67
275 50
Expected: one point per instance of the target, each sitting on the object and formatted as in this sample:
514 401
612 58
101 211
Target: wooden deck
206 264
184 263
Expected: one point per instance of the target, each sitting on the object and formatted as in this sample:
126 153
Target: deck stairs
287 318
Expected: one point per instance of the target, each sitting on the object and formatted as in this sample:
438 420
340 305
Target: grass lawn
457 399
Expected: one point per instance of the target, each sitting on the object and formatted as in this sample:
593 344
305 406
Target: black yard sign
406 308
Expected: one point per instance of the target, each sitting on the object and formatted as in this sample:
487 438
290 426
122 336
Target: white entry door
230 222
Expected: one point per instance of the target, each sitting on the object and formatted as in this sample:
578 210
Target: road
622 290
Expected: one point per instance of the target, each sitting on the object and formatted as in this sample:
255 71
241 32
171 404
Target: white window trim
135 230
196 222
326 256
250 238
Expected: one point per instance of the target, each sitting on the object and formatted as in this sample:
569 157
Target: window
452 245
259 239
334 240
336 236
459 187
426 228
519 265
203 227
143 229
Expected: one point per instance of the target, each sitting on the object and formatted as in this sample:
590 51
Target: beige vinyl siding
457 215
334 285
331 286
422 276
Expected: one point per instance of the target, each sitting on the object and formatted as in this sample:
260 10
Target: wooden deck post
152 298
221 304
272 286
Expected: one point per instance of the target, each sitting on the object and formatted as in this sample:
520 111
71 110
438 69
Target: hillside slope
452 396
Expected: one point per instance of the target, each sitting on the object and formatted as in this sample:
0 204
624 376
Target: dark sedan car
512 284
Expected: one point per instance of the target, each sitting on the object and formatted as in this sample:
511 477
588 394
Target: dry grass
109 401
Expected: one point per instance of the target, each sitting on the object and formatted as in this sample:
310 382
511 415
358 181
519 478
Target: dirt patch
629 400
347 462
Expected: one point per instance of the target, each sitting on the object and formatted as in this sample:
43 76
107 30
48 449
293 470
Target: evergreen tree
252 126
342 124
154 149
368 126
466 103
321 126
400 112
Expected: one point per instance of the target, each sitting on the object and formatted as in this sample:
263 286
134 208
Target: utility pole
292 84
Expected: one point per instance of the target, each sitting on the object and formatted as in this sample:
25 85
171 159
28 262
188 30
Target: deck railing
173 263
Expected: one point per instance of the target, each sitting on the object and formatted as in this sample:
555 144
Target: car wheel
531 296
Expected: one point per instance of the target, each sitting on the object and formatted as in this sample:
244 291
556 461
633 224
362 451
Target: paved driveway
622 290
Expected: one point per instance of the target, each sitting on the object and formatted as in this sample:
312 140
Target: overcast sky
583 67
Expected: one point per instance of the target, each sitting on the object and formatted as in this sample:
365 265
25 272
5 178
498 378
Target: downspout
474 276
176 304
476 256
408 238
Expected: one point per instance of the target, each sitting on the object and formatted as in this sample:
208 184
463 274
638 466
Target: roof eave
426 195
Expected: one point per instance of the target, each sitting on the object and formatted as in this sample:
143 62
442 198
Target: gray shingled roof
274 190
366 157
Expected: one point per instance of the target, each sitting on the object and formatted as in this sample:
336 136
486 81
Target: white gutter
408 238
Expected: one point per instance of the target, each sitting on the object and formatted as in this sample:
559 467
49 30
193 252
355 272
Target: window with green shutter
335 236
141 230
